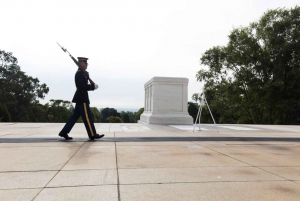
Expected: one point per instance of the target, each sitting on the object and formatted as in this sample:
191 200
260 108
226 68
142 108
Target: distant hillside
127 109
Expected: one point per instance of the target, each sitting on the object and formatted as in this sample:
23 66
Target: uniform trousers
83 110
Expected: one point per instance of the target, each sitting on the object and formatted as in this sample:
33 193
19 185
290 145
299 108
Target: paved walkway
135 162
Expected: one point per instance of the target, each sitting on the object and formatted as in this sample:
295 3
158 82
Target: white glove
96 86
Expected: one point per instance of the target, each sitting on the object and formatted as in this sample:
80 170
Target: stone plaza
149 162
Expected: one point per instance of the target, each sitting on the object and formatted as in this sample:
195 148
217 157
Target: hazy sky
127 41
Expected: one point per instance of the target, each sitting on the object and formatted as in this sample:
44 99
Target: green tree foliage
205 114
254 78
38 112
18 91
125 117
4 113
138 114
128 117
107 112
113 119
132 117
59 110
96 114
193 110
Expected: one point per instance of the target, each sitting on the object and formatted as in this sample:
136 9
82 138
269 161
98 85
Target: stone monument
166 101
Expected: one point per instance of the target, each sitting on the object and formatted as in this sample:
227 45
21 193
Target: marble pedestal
166 101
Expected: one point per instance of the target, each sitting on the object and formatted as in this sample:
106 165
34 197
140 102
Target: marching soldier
81 98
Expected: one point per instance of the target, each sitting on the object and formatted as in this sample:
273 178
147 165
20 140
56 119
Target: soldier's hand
96 86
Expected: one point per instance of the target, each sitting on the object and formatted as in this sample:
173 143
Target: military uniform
82 107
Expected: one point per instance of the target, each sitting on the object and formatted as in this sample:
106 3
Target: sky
127 41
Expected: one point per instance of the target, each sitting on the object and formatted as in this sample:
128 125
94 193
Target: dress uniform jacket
81 95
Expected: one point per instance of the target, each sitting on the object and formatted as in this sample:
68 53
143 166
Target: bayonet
76 62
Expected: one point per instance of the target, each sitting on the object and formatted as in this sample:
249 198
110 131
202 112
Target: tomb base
166 118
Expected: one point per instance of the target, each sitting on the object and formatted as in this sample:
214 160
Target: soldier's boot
65 135
97 136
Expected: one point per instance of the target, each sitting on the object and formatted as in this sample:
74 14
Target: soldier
82 107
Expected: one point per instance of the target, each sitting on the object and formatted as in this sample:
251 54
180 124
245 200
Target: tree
18 91
96 114
107 112
138 114
132 117
4 113
38 112
113 119
59 110
193 110
125 117
128 117
253 79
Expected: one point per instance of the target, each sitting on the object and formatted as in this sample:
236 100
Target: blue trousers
83 110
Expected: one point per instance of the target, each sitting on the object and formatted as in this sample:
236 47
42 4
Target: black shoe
97 136
65 136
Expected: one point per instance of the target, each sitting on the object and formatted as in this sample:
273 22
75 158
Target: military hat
83 59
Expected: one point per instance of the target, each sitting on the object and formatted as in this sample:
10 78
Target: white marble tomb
166 101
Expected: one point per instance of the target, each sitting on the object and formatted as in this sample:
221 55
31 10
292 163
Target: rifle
79 66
